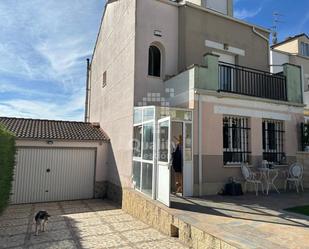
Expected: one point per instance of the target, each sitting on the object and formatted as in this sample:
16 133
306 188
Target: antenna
274 28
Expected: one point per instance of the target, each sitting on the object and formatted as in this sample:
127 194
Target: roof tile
53 129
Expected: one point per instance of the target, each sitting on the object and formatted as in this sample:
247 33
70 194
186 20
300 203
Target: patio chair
251 177
295 175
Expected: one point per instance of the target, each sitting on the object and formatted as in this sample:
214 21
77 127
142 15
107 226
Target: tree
7 164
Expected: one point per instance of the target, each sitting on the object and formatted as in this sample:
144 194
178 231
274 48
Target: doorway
157 132
177 158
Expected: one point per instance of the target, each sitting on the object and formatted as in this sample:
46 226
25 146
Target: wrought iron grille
304 136
273 141
247 81
236 140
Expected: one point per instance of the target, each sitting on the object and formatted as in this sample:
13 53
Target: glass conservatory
157 133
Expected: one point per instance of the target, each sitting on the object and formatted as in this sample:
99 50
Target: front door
164 159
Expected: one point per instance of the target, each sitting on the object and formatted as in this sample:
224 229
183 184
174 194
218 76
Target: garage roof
52 129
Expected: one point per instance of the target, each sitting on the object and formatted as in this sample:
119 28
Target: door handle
48 170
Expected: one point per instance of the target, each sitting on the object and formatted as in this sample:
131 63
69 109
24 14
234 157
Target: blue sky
44 45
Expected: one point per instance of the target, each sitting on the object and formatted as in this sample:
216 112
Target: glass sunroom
154 134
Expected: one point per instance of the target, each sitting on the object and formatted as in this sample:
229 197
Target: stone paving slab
78 225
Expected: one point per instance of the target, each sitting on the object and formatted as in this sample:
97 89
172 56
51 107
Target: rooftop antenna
274 28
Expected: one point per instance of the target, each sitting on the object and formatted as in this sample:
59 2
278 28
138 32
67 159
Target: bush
7 163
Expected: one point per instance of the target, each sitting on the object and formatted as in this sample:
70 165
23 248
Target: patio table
269 176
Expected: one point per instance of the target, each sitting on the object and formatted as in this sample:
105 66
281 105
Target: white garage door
53 174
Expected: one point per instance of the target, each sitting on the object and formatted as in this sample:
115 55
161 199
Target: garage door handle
48 170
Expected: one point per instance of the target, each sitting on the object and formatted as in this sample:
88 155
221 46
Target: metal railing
251 82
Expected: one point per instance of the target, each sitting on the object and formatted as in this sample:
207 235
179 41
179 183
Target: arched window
154 63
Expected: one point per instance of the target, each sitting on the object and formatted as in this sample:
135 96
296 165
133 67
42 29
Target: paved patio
80 224
248 221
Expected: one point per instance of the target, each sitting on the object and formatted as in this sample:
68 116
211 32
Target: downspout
259 34
200 162
265 38
87 92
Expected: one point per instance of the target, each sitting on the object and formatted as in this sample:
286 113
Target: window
154 63
273 138
304 48
236 140
216 5
104 81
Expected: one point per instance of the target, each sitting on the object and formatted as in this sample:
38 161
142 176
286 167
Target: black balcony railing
252 82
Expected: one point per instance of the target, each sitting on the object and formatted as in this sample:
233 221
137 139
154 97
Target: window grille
236 140
273 141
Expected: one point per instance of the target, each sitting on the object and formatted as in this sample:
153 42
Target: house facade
162 70
294 50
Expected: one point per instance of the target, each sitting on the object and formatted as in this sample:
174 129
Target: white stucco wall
112 106
276 59
155 15
101 154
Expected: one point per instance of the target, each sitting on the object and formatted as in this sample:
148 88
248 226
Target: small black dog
41 219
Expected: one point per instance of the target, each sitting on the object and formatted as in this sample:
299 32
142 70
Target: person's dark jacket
177 159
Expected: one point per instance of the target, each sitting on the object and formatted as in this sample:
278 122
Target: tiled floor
248 221
79 224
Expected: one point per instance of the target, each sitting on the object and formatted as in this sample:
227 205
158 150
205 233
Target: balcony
216 77
247 81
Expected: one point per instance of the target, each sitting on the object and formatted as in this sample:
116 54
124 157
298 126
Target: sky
44 45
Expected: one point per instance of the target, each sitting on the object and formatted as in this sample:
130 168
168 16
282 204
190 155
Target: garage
53 174
57 160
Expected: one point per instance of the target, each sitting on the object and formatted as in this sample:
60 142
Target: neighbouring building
169 71
294 50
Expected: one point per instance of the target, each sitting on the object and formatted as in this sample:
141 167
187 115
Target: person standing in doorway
177 164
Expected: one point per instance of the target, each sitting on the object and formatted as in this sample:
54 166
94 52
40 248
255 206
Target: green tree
7 163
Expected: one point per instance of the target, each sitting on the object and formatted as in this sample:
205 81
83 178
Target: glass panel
148 114
188 142
137 175
163 141
148 141
138 115
147 179
137 141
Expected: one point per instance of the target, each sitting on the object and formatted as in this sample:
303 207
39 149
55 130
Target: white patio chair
251 177
295 175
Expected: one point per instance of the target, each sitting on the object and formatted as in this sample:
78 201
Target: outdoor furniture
251 177
295 176
269 175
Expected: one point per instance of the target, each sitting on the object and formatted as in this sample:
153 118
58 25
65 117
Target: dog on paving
41 218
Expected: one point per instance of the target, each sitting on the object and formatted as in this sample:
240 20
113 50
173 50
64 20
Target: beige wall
112 105
215 174
291 47
101 154
197 25
155 15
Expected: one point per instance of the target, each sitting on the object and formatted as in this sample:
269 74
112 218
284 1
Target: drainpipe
87 91
200 162
263 37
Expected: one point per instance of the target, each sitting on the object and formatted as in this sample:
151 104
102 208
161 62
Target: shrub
7 163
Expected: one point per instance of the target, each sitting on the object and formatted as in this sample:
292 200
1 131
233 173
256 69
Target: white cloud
303 22
44 44
70 110
245 13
